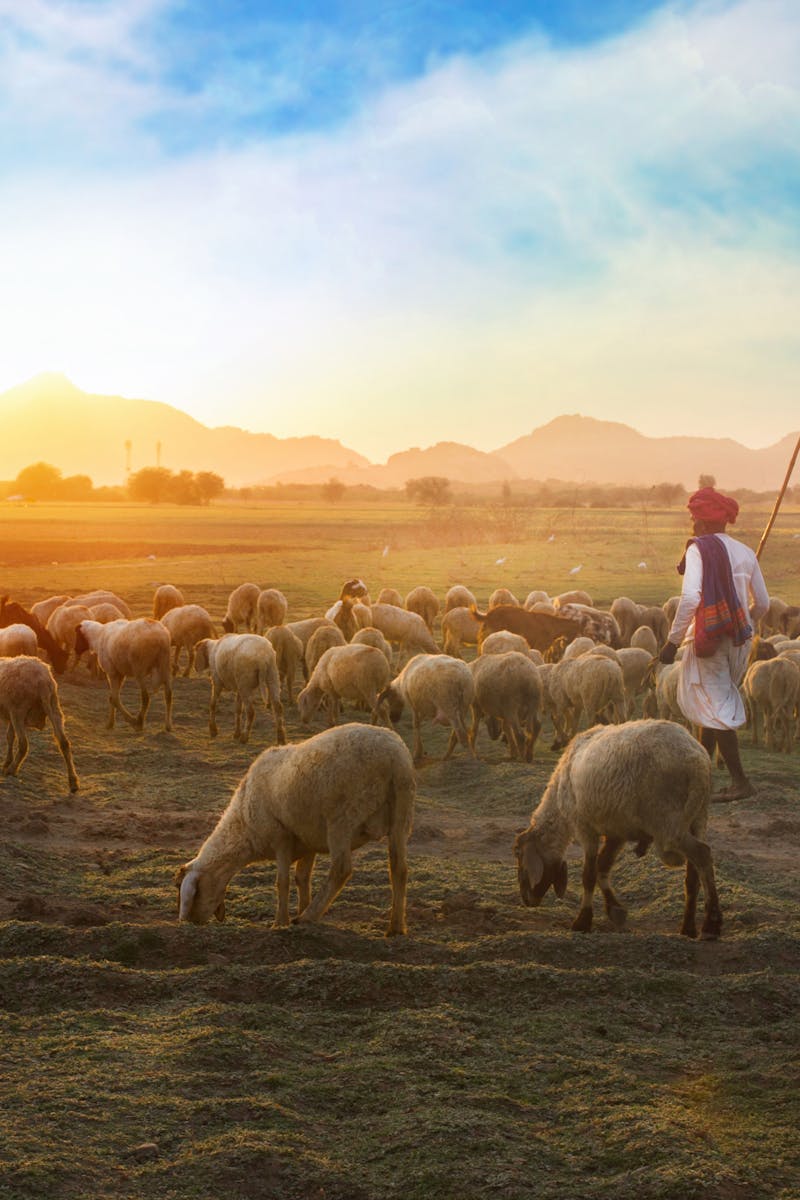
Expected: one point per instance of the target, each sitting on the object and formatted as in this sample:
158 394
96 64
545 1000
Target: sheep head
393 697
81 640
535 871
201 894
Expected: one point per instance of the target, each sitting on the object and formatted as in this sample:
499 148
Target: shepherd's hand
667 653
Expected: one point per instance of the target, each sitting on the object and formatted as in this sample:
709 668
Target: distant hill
49 419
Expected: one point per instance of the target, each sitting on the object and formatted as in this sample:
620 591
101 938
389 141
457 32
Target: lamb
288 655
390 595
186 626
321 640
28 696
460 627
539 629
458 597
138 648
350 672
245 664
17 639
373 637
328 795
644 782
645 639
271 609
435 687
242 608
508 693
502 595
422 601
165 598
406 630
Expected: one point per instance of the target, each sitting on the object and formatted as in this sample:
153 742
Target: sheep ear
560 881
188 890
532 860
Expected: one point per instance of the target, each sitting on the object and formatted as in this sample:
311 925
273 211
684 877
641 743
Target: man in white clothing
723 590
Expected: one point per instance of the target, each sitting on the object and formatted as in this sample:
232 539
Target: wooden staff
777 503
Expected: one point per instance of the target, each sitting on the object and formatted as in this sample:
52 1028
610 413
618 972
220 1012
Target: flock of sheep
644 781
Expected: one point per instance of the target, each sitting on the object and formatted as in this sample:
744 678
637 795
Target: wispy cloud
479 243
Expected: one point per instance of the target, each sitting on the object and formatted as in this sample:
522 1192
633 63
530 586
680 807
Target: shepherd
722 597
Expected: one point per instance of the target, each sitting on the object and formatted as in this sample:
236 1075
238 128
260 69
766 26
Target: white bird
642 566
385 551
575 570
552 537
498 562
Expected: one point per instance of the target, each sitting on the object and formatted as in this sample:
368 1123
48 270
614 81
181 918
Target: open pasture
492 1052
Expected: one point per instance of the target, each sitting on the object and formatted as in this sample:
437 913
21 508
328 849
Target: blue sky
407 222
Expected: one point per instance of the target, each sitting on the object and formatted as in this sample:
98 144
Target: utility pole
128 448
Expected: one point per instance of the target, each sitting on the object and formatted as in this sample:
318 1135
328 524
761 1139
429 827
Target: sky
402 223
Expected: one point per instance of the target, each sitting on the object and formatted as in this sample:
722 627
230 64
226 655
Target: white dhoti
708 688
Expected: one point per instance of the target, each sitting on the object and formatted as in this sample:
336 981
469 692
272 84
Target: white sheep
670 607
137 649
626 613
43 609
503 640
574 597
422 601
271 609
508 693
328 795
647 782
351 672
102 596
591 684
288 655
372 637
18 639
537 596
437 688
187 625
242 608
165 597
29 696
502 595
390 595
405 630
459 597
635 664
63 624
245 664
304 630
321 640
644 638
460 627
577 647
771 689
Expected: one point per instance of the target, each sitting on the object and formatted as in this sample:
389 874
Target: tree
183 488
151 483
39 481
667 493
333 490
433 490
209 485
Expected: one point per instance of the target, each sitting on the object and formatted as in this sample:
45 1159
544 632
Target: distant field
492 1053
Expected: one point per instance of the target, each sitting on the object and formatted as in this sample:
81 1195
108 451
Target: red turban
710 505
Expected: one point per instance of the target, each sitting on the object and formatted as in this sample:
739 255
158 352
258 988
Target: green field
492 1052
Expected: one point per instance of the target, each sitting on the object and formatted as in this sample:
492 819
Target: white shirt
747 579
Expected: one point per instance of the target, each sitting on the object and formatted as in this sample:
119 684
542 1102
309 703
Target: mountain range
49 419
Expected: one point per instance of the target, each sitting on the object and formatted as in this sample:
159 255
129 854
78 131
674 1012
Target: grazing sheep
405 630
165 598
458 597
604 651
508 693
390 595
305 628
644 639
288 655
545 606
102 596
12 613
537 596
635 663
590 684
539 629
422 601
574 597
43 609
351 672
321 640
670 607
653 617
327 795
662 697
63 626
771 689
771 620
581 645
648 782
789 621
437 688
186 626
502 595
138 648
28 696
503 641
271 609
105 612
460 627
626 613
242 608
373 637
245 664
17 639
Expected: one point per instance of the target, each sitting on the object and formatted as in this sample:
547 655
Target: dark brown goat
12 613
538 628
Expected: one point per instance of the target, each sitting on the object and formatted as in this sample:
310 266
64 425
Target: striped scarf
720 613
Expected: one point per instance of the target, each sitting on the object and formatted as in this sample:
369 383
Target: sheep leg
280 724
700 864
212 708
143 706
605 861
419 752
168 704
283 864
175 657
189 661
10 739
341 869
115 684
398 877
534 730
304 869
57 721
583 921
